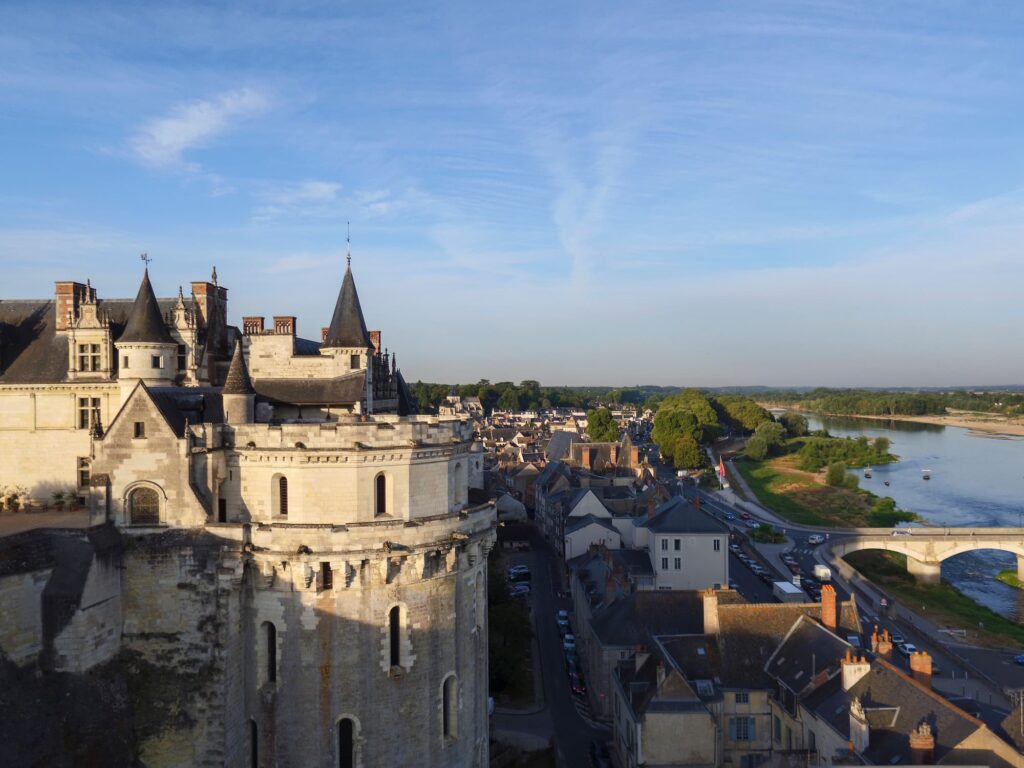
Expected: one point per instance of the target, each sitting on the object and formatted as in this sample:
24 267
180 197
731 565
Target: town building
281 562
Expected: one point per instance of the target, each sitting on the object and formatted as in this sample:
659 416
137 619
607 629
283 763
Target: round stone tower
145 350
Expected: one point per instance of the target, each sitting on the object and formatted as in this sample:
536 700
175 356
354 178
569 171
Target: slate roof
677 515
31 350
582 522
894 705
343 390
347 328
145 321
808 650
559 445
632 619
188 405
750 632
238 381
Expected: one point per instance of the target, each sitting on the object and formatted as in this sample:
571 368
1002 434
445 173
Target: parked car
907 648
517 590
730 516
562 619
744 515
753 524
569 642
898 639
518 569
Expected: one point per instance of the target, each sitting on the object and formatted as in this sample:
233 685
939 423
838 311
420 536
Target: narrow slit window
381 495
346 743
271 652
394 634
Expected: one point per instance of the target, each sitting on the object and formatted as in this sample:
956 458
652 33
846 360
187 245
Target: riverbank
941 604
976 421
804 498
1009 577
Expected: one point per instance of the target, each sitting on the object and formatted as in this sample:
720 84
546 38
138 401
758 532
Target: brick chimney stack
922 745
884 648
829 609
252 325
375 341
921 667
323 335
853 669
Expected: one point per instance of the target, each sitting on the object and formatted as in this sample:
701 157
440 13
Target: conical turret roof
347 329
238 381
145 323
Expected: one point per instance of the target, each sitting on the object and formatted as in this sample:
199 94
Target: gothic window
279 494
346 743
380 494
144 507
450 707
270 651
88 357
88 411
140 430
395 636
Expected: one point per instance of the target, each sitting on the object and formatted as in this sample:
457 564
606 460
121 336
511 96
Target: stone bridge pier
926 572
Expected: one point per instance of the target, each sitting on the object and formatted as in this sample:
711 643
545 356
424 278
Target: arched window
279 495
450 707
254 745
144 506
346 743
270 650
380 495
395 636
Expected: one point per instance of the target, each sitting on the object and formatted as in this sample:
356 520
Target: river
977 479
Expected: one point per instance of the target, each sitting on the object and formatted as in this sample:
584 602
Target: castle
280 563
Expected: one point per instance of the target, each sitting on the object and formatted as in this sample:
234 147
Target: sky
678 193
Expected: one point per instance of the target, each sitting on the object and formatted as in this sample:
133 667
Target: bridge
926 548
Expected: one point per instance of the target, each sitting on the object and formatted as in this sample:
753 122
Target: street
563 715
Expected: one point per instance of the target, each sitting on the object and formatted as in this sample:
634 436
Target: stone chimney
829 609
252 325
921 667
884 648
585 451
284 325
860 732
853 669
614 454
922 745
711 625
634 456
375 341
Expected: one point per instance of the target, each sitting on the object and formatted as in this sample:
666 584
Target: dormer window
88 357
354 362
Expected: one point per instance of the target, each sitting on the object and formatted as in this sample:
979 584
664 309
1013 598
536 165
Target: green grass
942 603
800 497
1009 576
767 535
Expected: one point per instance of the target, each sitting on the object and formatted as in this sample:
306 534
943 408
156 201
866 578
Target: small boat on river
867 473
886 483
926 474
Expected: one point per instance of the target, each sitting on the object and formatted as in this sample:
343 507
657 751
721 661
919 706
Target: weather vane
348 239
145 257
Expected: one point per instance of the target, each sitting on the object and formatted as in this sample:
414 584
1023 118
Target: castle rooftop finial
348 241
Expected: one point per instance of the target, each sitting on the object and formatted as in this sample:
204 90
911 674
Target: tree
795 423
773 435
601 426
882 445
509 401
835 475
757 448
685 453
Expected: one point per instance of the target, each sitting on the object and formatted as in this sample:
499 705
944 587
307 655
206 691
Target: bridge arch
925 551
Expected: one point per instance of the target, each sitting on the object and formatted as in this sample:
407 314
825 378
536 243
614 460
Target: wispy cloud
163 141
320 199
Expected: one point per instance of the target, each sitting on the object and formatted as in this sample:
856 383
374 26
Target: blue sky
693 193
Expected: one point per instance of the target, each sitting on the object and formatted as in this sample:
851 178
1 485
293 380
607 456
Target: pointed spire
145 321
348 328
238 381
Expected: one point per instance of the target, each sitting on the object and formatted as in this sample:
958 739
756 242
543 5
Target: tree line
690 419
852 402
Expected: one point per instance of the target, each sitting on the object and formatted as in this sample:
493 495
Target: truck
786 592
822 573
